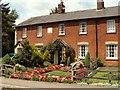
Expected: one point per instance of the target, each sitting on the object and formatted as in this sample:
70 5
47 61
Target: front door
57 57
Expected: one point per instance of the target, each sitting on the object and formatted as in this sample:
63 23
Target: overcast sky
32 8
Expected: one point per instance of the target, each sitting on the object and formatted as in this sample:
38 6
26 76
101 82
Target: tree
29 56
8 27
54 11
87 60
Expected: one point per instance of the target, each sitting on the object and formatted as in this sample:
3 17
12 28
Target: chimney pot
61 8
100 4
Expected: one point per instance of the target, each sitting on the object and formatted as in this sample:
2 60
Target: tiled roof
76 15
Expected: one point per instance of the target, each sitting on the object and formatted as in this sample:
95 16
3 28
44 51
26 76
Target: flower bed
41 77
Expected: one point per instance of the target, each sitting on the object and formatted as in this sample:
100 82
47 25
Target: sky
32 8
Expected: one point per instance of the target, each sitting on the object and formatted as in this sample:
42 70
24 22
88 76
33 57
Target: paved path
17 83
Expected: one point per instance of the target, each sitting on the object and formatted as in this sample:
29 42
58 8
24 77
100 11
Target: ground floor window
19 50
111 51
82 51
39 47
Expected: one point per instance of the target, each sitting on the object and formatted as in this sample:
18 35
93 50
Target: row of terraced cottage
93 30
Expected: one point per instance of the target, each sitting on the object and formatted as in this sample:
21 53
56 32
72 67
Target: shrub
70 52
46 64
35 78
62 62
65 81
6 59
87 60
68 61
21 77
8 71
99 63
46 55
29 56
49 79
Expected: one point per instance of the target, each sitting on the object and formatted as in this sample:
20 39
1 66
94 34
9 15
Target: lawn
101 77
58 73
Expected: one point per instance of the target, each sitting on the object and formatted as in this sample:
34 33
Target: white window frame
49 30
111 26
39 31
109 51
80 51
81 28
37 45
61 29
24 32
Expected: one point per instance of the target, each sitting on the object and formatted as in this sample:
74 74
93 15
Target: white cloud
32 8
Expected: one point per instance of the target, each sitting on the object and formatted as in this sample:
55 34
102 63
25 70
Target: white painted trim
112 58
83 43
39 44
111 42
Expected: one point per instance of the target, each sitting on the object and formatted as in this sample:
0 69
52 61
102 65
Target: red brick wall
72 36
103 36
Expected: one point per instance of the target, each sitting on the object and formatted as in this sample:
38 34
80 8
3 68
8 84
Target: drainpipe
96 22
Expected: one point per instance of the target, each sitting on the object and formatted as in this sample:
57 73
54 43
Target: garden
30 64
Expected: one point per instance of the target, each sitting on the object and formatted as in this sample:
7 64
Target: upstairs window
83 29
39 31
61 29
49 30
111 26
24 32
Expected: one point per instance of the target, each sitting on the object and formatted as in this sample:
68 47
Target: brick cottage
93 30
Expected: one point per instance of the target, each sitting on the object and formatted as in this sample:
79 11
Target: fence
81 74
4 66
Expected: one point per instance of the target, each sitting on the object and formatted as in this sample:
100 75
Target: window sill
82 33
39 36
81 57
111 32
61 34
24 37
111 58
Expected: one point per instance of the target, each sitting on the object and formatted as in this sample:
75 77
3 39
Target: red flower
15 75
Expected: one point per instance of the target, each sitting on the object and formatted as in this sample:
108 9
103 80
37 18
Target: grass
90 80
58 73
101 77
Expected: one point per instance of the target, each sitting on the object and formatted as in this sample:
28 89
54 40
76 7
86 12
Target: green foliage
62 61
68 61
8 71
46 55
21 77
6 59
116 77
35 78
8 27
50 79
54 11
99 63
46 64
29 56
70 52
87 60
65 81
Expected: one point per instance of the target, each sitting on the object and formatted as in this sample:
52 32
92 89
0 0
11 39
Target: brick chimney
61 8
100 4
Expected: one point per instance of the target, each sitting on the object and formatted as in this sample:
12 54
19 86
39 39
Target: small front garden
38 66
